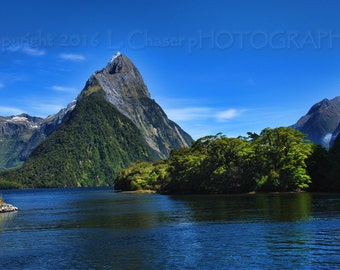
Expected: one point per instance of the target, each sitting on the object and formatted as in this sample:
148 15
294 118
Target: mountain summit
120 80
113 123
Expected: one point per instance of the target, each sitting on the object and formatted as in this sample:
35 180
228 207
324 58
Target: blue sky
217 66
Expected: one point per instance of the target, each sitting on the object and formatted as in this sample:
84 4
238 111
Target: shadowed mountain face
321 123
113 123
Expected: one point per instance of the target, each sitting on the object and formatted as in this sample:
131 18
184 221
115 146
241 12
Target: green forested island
276 160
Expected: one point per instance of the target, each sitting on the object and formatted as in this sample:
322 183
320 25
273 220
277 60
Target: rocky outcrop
5 207
321 123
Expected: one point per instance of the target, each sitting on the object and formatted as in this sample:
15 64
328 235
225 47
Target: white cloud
188 114
8 78
33 51
72 57
63 88
202 113
26 49
6 111
200 121
326 140
227 114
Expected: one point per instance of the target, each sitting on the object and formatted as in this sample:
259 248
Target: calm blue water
101 229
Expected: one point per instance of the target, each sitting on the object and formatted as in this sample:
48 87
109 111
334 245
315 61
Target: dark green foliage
214 164
5 184
142 176
281 155
319 167
324 168
275 160
87 150
334 179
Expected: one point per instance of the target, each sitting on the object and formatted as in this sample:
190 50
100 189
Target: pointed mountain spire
124 88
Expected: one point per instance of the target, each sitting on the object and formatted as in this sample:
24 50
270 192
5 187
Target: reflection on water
249 208
101 229
285 207
6 217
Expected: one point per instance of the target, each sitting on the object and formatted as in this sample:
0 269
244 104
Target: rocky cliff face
20 134
322 122
125 89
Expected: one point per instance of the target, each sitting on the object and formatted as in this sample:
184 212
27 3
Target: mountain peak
119 63
322 122
115 57
119 73
323 104
124 88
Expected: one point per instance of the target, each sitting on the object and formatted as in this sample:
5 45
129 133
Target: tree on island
274 160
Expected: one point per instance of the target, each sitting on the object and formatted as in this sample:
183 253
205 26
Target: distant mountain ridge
113 123
322 122
20 134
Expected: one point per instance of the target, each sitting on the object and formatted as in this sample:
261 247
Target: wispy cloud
6 111
72 57
202 113
188 114
228 114
26 49
33 51
63 88
9 78
200 121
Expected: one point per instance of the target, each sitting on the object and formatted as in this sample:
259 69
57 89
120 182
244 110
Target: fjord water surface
103 229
